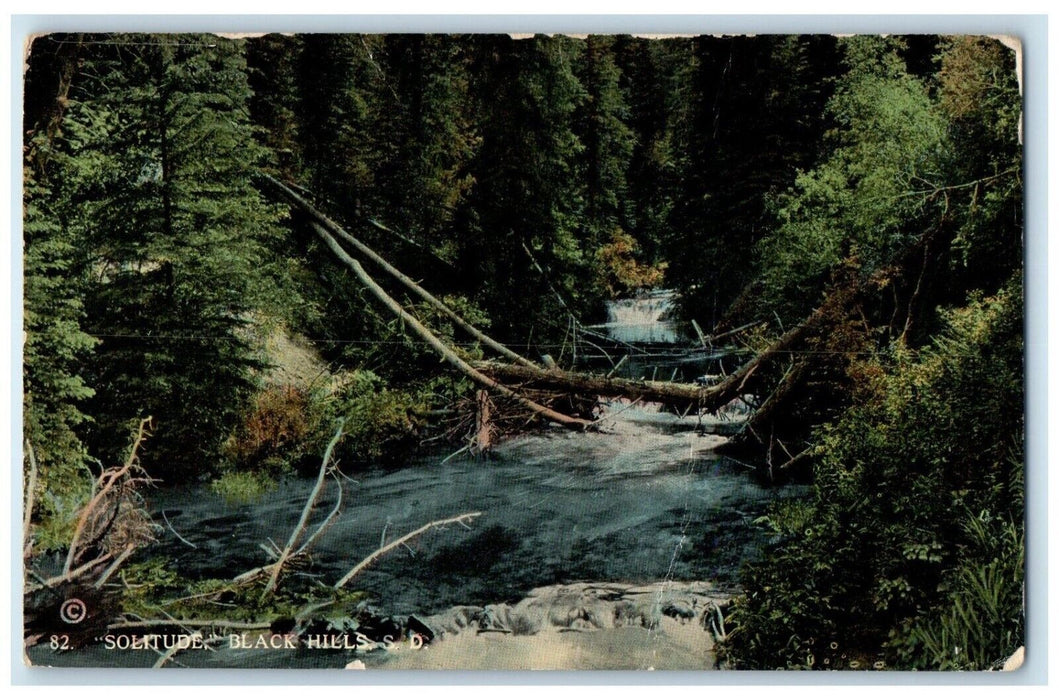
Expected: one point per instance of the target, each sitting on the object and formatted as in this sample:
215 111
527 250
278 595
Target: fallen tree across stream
497 376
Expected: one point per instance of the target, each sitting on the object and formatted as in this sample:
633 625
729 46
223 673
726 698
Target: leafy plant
239 487
883 559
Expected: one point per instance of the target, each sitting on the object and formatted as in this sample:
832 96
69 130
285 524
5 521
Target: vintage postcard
495 351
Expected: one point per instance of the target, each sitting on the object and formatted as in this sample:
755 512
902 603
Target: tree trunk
437 344
704 398
426 296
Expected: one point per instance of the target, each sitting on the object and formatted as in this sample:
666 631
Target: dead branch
437 344
483 439
367 561
108 481
175 533
708 342
71 575
31 492
168 655
709 398
426 296
303 522
254 575
786 385
604 417
115 564
327 521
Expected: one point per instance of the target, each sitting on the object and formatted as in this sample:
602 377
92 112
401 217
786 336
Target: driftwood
370 559
336 230
115 564
303 522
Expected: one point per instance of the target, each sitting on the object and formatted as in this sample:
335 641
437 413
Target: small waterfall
642 319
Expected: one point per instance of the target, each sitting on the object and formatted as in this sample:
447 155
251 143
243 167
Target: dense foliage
865 189
909 551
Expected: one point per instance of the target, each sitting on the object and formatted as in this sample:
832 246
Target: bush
239 487
619 272
380 423
278 426
915 524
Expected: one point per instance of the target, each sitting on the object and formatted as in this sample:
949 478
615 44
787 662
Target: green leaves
872 195
916 542
151 178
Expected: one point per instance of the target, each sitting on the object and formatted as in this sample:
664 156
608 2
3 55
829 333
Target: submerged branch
367 561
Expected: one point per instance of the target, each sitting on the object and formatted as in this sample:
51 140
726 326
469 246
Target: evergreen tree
55 346
339 77
524 212
161 135
750 120
426 137
272 70
649 78
53 313
608 142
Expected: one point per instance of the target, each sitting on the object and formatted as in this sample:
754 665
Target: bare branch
173 530
306 511
367 561
115 564
327 521
107 481
31 492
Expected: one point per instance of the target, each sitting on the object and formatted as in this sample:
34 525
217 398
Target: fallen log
489 375
336 230
437 344
704 398
791 379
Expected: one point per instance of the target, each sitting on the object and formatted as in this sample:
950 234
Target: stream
645 501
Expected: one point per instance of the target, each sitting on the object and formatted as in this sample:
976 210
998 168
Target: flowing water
645 501
642 319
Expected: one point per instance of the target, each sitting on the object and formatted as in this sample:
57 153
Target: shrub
618 270
380 423
277 427
888 562
239 487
